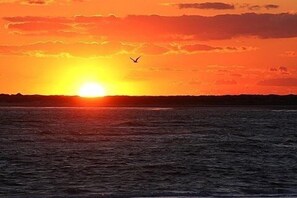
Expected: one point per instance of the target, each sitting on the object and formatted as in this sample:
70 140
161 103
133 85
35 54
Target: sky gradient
53 47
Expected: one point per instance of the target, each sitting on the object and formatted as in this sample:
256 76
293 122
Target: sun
91 90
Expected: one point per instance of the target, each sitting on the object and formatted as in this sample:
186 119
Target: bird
135 60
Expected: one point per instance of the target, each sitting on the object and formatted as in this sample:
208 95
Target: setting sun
91 90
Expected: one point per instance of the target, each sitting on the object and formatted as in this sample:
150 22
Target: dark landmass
20 100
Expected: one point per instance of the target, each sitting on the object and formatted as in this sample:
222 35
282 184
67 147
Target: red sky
187 47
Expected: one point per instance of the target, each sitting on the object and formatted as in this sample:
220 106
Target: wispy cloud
282 82
207 5
94 49
253 7
57 49
271 6
38 2
281 69
223 6
291 54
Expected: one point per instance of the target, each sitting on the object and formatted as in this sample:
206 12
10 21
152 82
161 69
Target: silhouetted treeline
146 101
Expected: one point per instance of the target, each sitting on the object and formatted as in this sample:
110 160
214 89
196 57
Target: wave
285 110
135 123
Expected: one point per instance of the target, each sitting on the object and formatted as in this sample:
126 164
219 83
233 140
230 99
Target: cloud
39 26
193 48
57 49
224 6
291 54
271 6
281 69
37 19
254 7
199 47
207 5
94 49
38 2
258 7
152 49
148 28
280 82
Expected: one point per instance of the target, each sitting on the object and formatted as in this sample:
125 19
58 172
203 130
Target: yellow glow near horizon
91 90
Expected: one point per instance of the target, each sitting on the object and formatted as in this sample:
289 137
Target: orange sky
187 47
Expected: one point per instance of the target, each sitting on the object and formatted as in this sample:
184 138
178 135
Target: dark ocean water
148 152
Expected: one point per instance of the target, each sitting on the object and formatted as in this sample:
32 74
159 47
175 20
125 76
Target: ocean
148 152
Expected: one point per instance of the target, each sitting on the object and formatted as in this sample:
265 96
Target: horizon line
182 95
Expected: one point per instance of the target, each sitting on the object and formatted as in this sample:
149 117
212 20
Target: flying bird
135 60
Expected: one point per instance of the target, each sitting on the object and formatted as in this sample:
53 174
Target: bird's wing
138 58
132 59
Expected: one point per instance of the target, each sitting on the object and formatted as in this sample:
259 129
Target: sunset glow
186 48
91 90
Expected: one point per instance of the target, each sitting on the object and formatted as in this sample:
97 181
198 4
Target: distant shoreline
147 101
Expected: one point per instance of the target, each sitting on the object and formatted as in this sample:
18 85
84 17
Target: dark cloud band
162 28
